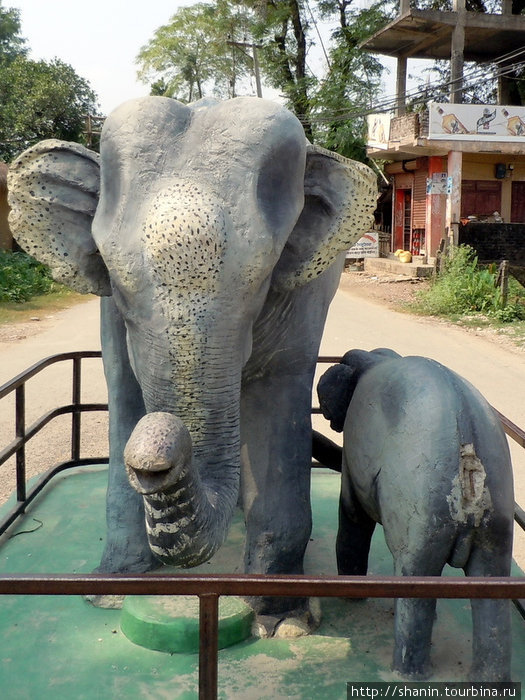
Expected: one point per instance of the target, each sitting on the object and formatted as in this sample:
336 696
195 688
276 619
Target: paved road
353 323
76 328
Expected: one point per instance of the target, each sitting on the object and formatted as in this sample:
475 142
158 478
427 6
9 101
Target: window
480 197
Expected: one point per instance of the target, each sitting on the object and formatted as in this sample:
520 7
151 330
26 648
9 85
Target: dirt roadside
396 291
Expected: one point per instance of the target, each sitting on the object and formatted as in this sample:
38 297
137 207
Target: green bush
22 277
465 288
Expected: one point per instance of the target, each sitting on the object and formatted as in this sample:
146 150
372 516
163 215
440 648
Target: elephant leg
276 496
491 618
276 434
414 617
355 531
127 548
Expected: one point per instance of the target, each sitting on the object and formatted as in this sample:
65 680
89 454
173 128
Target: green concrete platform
63 648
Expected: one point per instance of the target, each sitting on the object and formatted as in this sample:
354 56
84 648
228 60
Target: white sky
100 39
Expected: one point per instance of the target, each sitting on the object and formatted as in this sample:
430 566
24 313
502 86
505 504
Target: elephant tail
461 548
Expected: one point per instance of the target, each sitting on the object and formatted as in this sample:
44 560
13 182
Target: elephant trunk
184 522
184 455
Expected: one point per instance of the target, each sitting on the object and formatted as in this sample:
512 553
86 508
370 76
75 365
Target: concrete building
453 166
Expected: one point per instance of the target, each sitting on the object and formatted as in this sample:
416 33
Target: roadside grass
62 298
467 294
27 289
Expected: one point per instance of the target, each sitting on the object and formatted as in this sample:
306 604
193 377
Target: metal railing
208 587
24 433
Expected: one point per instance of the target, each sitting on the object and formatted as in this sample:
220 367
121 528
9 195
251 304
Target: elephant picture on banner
215 235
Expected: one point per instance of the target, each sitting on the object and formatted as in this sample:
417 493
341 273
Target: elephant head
187 219
337 385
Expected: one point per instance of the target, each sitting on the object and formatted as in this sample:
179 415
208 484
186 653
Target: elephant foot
137 566
110 602
289 625
410 673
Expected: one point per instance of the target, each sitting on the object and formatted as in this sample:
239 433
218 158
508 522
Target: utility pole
255 59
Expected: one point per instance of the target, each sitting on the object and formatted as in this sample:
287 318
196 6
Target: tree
41 100
11 43
353 82
194 54
283 29
38 100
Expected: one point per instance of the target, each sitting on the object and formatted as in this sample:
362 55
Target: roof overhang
428 34
421 147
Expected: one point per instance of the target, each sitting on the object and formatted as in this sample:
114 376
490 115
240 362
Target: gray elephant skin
425 455
215 235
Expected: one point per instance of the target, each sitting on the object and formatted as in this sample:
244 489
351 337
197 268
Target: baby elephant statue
424 455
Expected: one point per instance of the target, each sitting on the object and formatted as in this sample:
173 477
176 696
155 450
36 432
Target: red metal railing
210 587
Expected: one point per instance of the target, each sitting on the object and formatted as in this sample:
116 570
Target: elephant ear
53 193
340 197
335 390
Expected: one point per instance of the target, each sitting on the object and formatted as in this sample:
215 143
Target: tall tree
196 53
41 100
353 81
12 44
283 29
199 53
38 100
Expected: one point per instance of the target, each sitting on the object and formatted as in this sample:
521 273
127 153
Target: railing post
20 432
76 415
208 645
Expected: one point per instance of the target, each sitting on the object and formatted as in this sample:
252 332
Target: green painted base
171 624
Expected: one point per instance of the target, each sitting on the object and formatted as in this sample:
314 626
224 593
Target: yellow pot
405 257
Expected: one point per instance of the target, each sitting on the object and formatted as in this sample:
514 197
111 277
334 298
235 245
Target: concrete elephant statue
424 455
215 235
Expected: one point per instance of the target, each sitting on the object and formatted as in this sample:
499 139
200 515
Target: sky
100 39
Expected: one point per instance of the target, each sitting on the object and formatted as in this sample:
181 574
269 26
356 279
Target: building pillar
505 81
435 210
457 52
401 85
453 210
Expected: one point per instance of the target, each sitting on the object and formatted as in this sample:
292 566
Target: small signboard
439 183
366 247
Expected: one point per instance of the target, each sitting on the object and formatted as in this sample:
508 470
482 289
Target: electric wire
420 94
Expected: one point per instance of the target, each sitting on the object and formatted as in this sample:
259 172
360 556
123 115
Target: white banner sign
366 247
378 130
476 122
